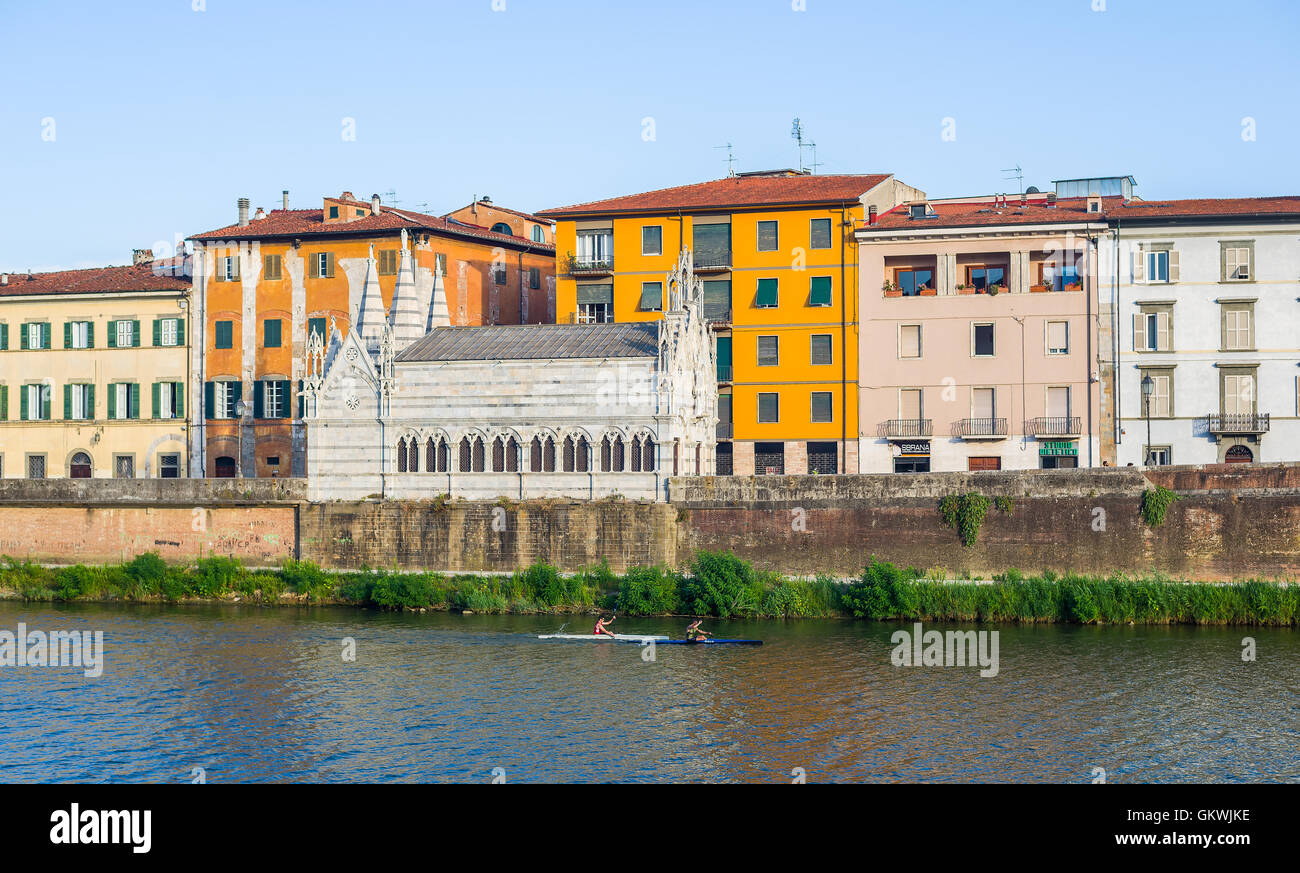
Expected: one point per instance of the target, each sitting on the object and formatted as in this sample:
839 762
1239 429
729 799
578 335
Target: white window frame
124 327
121 400
80 334
1152 259
1047 338
272 401
228 268
646 227
1233 264
223 404
80 408
758 407
36 396
166 399
35 335
988 324
169 332
920 339
594 246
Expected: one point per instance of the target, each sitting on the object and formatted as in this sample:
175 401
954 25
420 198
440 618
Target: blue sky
163 116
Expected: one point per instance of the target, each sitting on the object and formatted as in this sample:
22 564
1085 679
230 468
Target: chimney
871 214
1051 198
4 278
141 256
374 204
259 214
347 195
243 212
284 199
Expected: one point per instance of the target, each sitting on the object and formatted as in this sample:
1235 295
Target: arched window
502 227
413 455
466 453
548 455
478 455
606 455
431 455
512 455
535 455
79 466
401 455
568 454
648 455
636 454
583 455
498 455
618 455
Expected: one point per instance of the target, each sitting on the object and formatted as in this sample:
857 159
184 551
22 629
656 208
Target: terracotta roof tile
979 214
730 192
1207 207
306 222
143 277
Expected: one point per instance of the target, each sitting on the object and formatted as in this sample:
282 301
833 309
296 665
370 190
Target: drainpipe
844 349
1117 430
1087 324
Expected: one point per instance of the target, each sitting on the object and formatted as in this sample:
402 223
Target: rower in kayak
600 626
696 634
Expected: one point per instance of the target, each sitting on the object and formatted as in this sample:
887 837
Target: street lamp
1148 387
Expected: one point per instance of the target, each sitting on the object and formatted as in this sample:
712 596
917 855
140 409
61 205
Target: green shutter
22 402
302 405
596 294
45 403
133 397
112 334
271 333
209 399
67 402
135 334
90 400
112 400
178 398
22 336
4 402
258 399
90 334
652 296
820 291
724 351
766 293
67 334
317 325
157 331
285 399
157 391
180 332
4 336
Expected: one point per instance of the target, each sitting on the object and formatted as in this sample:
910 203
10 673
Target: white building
553 410
1204 297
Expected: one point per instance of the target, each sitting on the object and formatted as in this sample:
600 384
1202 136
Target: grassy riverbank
718 585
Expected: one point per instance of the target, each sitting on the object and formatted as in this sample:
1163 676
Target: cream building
93 372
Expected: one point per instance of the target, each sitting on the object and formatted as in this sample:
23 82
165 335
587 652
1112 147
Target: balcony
1237 423
980 428
712 261
725 430
584 265
717 314
905 428
724 372
1054 425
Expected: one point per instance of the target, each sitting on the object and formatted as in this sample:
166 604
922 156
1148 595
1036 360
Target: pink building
979 335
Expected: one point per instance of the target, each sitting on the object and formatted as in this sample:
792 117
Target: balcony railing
712 261
906 427
1237 422
724 372
725 430
1054 425
585 265
715 313
980 428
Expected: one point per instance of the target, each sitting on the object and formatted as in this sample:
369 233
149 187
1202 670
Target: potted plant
995 290
891 289
965 289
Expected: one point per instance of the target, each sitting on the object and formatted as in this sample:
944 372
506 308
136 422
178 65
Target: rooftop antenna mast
815 163
1016 173
731 159
391 196
796 132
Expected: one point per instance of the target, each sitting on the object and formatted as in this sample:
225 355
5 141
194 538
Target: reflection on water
254 694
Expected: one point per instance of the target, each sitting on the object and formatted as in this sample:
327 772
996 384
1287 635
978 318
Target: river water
265 695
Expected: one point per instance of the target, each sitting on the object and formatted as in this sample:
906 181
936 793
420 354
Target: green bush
216 575
73 582
884 591
720 584
964 513
647 591
304 577
147 571
542 583
1155 504
404 591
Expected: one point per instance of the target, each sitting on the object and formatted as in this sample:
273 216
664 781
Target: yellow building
779 263
93 372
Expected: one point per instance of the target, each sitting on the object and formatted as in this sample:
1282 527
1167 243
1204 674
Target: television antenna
391 196
731 159
1017 174
797 133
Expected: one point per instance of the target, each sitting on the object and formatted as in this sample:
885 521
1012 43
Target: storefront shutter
596 294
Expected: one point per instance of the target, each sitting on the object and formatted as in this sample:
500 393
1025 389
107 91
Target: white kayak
618 638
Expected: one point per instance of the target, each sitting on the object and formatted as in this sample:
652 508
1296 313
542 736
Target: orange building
483 213
263 284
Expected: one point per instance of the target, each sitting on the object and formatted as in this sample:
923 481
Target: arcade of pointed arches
509 451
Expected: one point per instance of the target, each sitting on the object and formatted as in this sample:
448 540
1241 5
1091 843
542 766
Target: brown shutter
1139 332
1173 265
329 265
1162 331
234 266
1139 266
313 265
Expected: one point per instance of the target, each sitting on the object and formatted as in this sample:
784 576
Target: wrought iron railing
1054 425
586 265
724 372
907 427
1237 422
725 429
712 260
979 427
